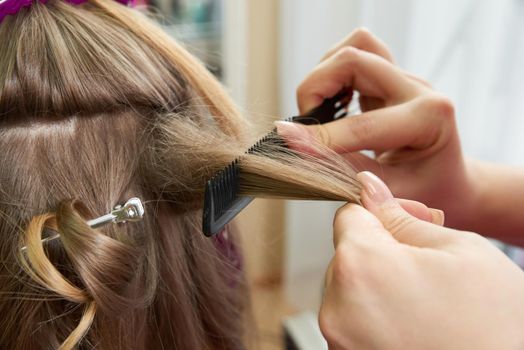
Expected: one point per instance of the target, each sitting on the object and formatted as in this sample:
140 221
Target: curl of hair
104 268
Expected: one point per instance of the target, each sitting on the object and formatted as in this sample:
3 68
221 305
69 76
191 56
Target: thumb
422 212
405 228
354 223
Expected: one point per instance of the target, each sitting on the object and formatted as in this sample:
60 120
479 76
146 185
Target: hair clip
12 7
132 210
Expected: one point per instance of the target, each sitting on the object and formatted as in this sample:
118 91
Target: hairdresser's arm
396 282
498 202
413 133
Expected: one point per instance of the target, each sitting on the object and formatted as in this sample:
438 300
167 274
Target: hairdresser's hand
396 282
410 127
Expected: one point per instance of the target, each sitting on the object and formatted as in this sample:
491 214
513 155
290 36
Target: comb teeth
225 187
221 199
272 138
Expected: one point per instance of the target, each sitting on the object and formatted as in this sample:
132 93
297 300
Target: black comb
222 201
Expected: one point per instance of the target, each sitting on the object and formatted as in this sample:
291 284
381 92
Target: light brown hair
97 105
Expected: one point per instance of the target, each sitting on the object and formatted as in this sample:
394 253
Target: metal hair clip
132 210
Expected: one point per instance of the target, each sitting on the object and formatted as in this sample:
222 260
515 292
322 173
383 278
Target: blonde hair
97 104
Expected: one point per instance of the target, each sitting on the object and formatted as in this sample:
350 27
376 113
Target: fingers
418 80
365 72
379 130
404 227
362 39
418 124
422 212
308 140
355 223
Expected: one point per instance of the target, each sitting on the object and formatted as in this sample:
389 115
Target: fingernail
289 129
297 136
438 216
375 189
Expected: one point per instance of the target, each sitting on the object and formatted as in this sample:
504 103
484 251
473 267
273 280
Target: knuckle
361 36
399 223
339 213
343 211
346 214
439 119
440 107
344 267
348 54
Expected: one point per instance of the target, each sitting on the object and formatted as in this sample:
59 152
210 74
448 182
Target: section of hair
272 170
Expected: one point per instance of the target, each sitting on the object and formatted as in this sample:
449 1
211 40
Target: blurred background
471 50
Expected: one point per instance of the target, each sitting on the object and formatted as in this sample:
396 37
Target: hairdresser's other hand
397 282
410 127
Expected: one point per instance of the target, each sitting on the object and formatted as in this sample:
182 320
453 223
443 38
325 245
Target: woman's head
98 105
90 96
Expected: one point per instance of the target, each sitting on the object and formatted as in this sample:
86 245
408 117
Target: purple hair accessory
228 249
12 7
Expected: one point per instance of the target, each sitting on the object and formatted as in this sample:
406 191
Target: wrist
465 203
492 206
